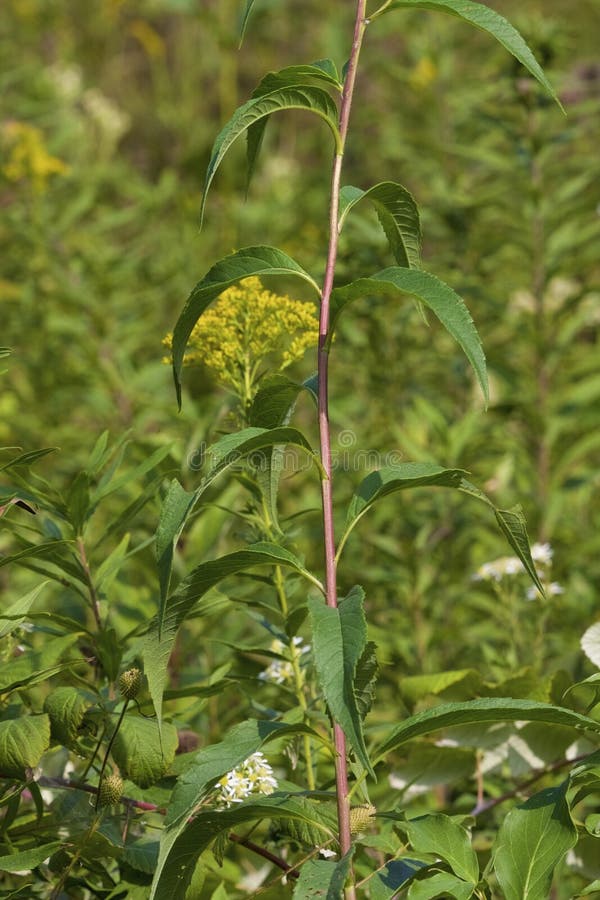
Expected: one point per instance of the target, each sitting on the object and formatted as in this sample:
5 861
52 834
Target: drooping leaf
142 753
159 641
66 708
249 261
532 840
28 859
23 742
398 214
479 711
449 308
440 884
12 617
487 20
306 97
178 858
440 835
339 637
300 76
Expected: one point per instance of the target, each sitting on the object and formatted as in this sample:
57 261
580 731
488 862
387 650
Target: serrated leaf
178 857
487 20
23 742
176 507
441 884
159 641
249 261
24 860
532 840
66 708
12 617
398 214
306 97
440 835
485 710
142 752
142 854
445 303
339 636
365 679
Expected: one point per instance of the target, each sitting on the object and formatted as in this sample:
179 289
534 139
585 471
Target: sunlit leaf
487 20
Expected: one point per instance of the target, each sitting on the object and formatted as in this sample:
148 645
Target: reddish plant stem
360 23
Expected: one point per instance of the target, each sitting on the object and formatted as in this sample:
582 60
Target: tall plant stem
360 24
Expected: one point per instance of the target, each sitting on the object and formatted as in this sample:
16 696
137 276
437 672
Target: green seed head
360 817
130 683
111 790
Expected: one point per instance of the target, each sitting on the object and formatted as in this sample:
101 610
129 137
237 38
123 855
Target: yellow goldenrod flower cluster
28 156
423 74
248 333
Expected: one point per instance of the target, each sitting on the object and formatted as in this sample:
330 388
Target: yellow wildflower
28 157
248 333
423 74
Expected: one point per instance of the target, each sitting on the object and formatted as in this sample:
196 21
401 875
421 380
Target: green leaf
323 878
23 742
485 710
35 666
28 859
159 641
178 859
211 763
142 753
274 402
24 460
384 885
441 884
398 214
532 840
307 97
441 299
365 680
487 20
415 687
245 18
66 708
176 507
339 637
12 617
291 77
33 550
440 835
249 261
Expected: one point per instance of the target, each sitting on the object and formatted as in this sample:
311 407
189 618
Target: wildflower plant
234 337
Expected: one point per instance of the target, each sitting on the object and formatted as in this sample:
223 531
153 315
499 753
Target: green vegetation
165 651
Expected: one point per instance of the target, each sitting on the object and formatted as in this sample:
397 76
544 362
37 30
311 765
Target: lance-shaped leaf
159 641
479 711
398 214
323 70
28 859
449 308
178 858
245 18
391 479
12 617
249 261
487 20
532 840
311 99
339 637
230 449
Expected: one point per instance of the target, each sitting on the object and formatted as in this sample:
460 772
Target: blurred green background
108 111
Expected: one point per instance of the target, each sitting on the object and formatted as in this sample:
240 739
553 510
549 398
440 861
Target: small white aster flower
555 588
542 553
281 671
253 776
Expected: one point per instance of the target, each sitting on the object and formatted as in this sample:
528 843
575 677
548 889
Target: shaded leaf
12 617
249 261
440 835
449 308
323 878
487 20
23 742
398 214
28 859
441 884
142 753
66 708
